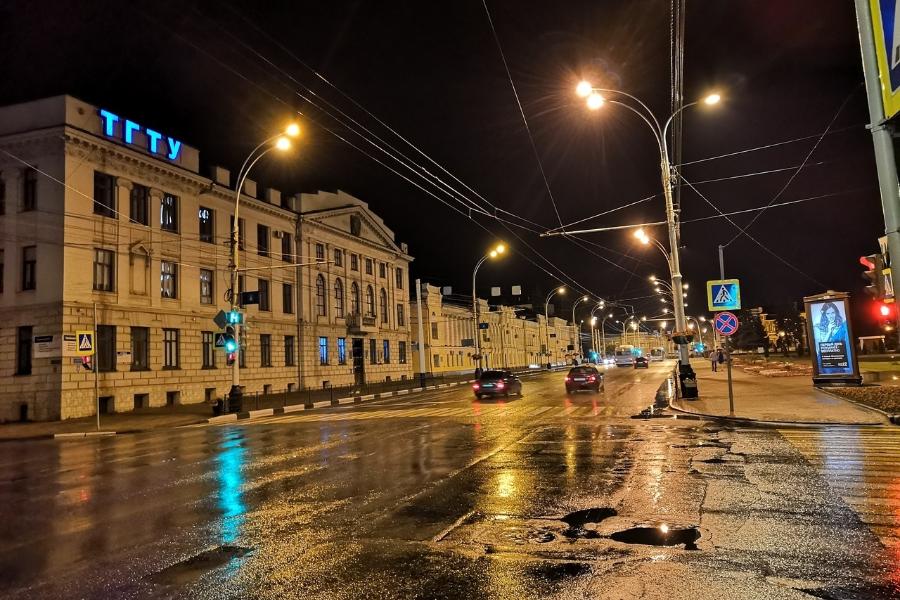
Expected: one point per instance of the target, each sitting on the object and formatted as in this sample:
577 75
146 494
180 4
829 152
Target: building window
320 296
354 299
399 273
287 248
401 353
168 213
140 348
289 360
29 190
206 286
287 298
103 270
342 351
382 270
262 240
29 267
373 352
370 301
242 280
242 358
168 279
170 349
139 199
320 252
401 316
265 350
208 349
2 265
368 266
23 350
338 257
2 195
386 351
207 218
383 305
338 298
434 331
264 295
106 348
104 194
323 351
241 228
354 262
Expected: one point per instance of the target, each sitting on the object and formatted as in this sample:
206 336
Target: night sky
222 76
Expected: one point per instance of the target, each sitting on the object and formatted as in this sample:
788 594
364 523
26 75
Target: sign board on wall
47 346
886 31
830 335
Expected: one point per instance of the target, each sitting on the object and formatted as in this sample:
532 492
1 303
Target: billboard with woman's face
831 338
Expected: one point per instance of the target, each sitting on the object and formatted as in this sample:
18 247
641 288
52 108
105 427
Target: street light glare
584 88
595 101
584 298
493 254
561 290
500 248
292 130
712 99
283 143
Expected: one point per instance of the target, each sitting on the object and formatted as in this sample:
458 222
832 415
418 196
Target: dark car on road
497 383
641 362
584 378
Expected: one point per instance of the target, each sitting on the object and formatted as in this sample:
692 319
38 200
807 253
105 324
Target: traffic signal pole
882 140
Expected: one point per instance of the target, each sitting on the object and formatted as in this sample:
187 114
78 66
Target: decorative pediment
140 248
356 222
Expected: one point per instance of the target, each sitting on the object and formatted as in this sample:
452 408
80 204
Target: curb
764 421
895 419
85 434
267 412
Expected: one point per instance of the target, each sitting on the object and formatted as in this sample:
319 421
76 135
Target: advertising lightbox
831 339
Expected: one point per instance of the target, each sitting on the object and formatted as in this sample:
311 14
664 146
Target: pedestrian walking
721 356
714 360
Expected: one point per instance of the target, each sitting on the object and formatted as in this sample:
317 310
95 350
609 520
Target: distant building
99 213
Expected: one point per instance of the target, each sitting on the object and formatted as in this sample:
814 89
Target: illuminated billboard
831 338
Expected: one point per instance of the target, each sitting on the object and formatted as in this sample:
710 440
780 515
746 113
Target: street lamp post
497 251
559 290
575 324
595 100
282 143
600 306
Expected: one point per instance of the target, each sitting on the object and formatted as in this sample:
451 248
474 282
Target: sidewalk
772 399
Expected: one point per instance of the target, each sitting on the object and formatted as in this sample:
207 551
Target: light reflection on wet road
440 496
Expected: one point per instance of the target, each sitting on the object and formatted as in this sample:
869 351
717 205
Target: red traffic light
867 262
885 310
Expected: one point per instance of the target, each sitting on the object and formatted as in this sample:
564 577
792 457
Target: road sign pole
727 340
96 374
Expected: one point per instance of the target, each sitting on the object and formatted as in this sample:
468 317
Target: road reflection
230 463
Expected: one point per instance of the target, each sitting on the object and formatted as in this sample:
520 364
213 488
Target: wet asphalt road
440 496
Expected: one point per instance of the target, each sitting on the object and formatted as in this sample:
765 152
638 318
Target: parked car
641 362
497 383
584 378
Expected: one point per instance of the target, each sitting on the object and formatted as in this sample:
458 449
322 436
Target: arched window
382 305
370 301
320 296
338 298
354 299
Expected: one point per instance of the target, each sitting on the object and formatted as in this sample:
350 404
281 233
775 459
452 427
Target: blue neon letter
109 121
174 148
130 127
154 137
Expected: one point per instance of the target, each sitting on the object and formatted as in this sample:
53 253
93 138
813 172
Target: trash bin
219 407
688 384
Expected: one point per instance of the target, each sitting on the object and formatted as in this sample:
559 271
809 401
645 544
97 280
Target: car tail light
500 385
475 386
568 378
592 378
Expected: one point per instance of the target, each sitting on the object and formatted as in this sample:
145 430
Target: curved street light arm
659 143
655 126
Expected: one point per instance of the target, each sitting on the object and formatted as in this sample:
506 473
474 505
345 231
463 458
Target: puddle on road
557 571
659 536
582 523
195 567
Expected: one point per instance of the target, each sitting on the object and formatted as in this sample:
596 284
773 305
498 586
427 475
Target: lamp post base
687 379
235 400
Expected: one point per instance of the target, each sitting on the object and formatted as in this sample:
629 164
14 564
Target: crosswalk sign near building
84 343
723 294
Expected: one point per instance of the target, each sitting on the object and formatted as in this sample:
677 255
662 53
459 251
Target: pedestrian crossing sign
84 343
723 294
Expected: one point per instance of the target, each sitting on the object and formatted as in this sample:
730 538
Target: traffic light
874 275
230 343
234 317
230 357
885 315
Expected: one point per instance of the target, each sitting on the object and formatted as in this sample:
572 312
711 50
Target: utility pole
96 370
422 370
882 139
727 339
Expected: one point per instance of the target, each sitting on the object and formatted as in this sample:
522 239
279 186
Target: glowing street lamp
494 252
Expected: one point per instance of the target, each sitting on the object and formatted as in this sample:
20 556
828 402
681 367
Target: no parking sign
726 323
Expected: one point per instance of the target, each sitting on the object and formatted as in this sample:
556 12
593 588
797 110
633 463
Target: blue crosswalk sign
723 294
84 343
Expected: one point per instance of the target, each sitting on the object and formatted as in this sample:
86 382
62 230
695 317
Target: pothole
557 571
663 535
527 535
583 523
193 568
